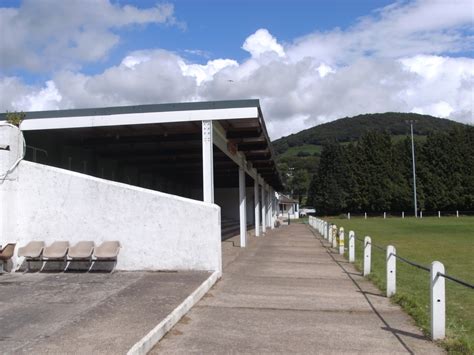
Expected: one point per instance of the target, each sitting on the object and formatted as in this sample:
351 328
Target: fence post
438 301
341 241
351 246
325 230
384 215
421 214
439 214
403 214
365 215
348 215
334 237
330 233
367 255
391 271
457 213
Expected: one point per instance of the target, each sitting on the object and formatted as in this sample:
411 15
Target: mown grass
449 240
306 148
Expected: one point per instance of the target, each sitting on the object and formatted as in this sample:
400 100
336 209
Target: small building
288 207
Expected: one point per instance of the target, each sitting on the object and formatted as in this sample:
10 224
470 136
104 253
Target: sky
309 62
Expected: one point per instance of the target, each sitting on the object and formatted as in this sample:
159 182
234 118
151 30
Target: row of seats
62 251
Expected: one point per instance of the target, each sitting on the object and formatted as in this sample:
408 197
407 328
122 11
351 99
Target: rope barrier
461 282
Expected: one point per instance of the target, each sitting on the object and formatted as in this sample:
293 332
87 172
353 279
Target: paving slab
87 313
287 292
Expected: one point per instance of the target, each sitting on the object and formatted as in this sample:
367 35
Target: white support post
367 255
330 233
256 200
272 199
438 301
391 271
439 214
403 214
365 215
207 162
421 214
348 215
264 209
243 208
334 237
351 246
341 241
384 215
457 214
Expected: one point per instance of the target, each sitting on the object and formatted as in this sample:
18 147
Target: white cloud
45 34
262 42
315 79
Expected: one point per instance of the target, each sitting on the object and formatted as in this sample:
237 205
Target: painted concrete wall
156 230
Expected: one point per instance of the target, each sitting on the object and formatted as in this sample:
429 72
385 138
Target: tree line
374 174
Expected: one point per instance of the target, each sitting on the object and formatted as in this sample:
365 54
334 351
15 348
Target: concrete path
88 313
287 293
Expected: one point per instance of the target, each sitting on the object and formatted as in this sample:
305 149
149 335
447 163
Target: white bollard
421 214
330 234
328 229
348 215
351 246
334 237
341 241
438 301
439 214
365 215
403 214
325 230
457 214
391 271
367 255
384 215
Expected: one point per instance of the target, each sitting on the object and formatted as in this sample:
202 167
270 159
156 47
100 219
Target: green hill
351 128
298 154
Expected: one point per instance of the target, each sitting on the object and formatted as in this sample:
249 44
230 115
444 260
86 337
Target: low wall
157 231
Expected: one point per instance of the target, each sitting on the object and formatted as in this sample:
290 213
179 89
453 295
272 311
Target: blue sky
308 61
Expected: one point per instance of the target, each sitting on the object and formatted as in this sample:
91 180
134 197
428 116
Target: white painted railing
437 273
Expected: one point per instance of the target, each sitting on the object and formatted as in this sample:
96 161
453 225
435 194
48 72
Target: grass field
449 240
307 148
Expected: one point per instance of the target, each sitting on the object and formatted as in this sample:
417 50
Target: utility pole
414 169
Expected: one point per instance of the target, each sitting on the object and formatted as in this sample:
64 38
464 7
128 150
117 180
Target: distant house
169 180
288 207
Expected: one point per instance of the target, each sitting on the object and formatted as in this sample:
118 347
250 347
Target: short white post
421 214
439 214
330 234
334 237
242 208
457 214
365 215
351 246
341 241
367 255
403 214
391 271
348 215
384 215
438 301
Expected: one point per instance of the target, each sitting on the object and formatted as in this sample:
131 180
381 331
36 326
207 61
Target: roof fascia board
139 118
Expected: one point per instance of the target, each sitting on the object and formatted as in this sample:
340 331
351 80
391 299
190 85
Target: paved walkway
287 293
89 313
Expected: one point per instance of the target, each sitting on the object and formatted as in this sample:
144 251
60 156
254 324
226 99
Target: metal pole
414 169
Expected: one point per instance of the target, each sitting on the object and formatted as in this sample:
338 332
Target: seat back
81 249
107 250
56 250
32 250
7 251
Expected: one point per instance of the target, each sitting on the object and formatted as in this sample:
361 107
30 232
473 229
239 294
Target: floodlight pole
414 169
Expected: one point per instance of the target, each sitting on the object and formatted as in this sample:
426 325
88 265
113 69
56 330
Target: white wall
156 230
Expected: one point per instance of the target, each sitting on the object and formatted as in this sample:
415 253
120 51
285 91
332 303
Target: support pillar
243 208
256 199
272 201
264 210
207 162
